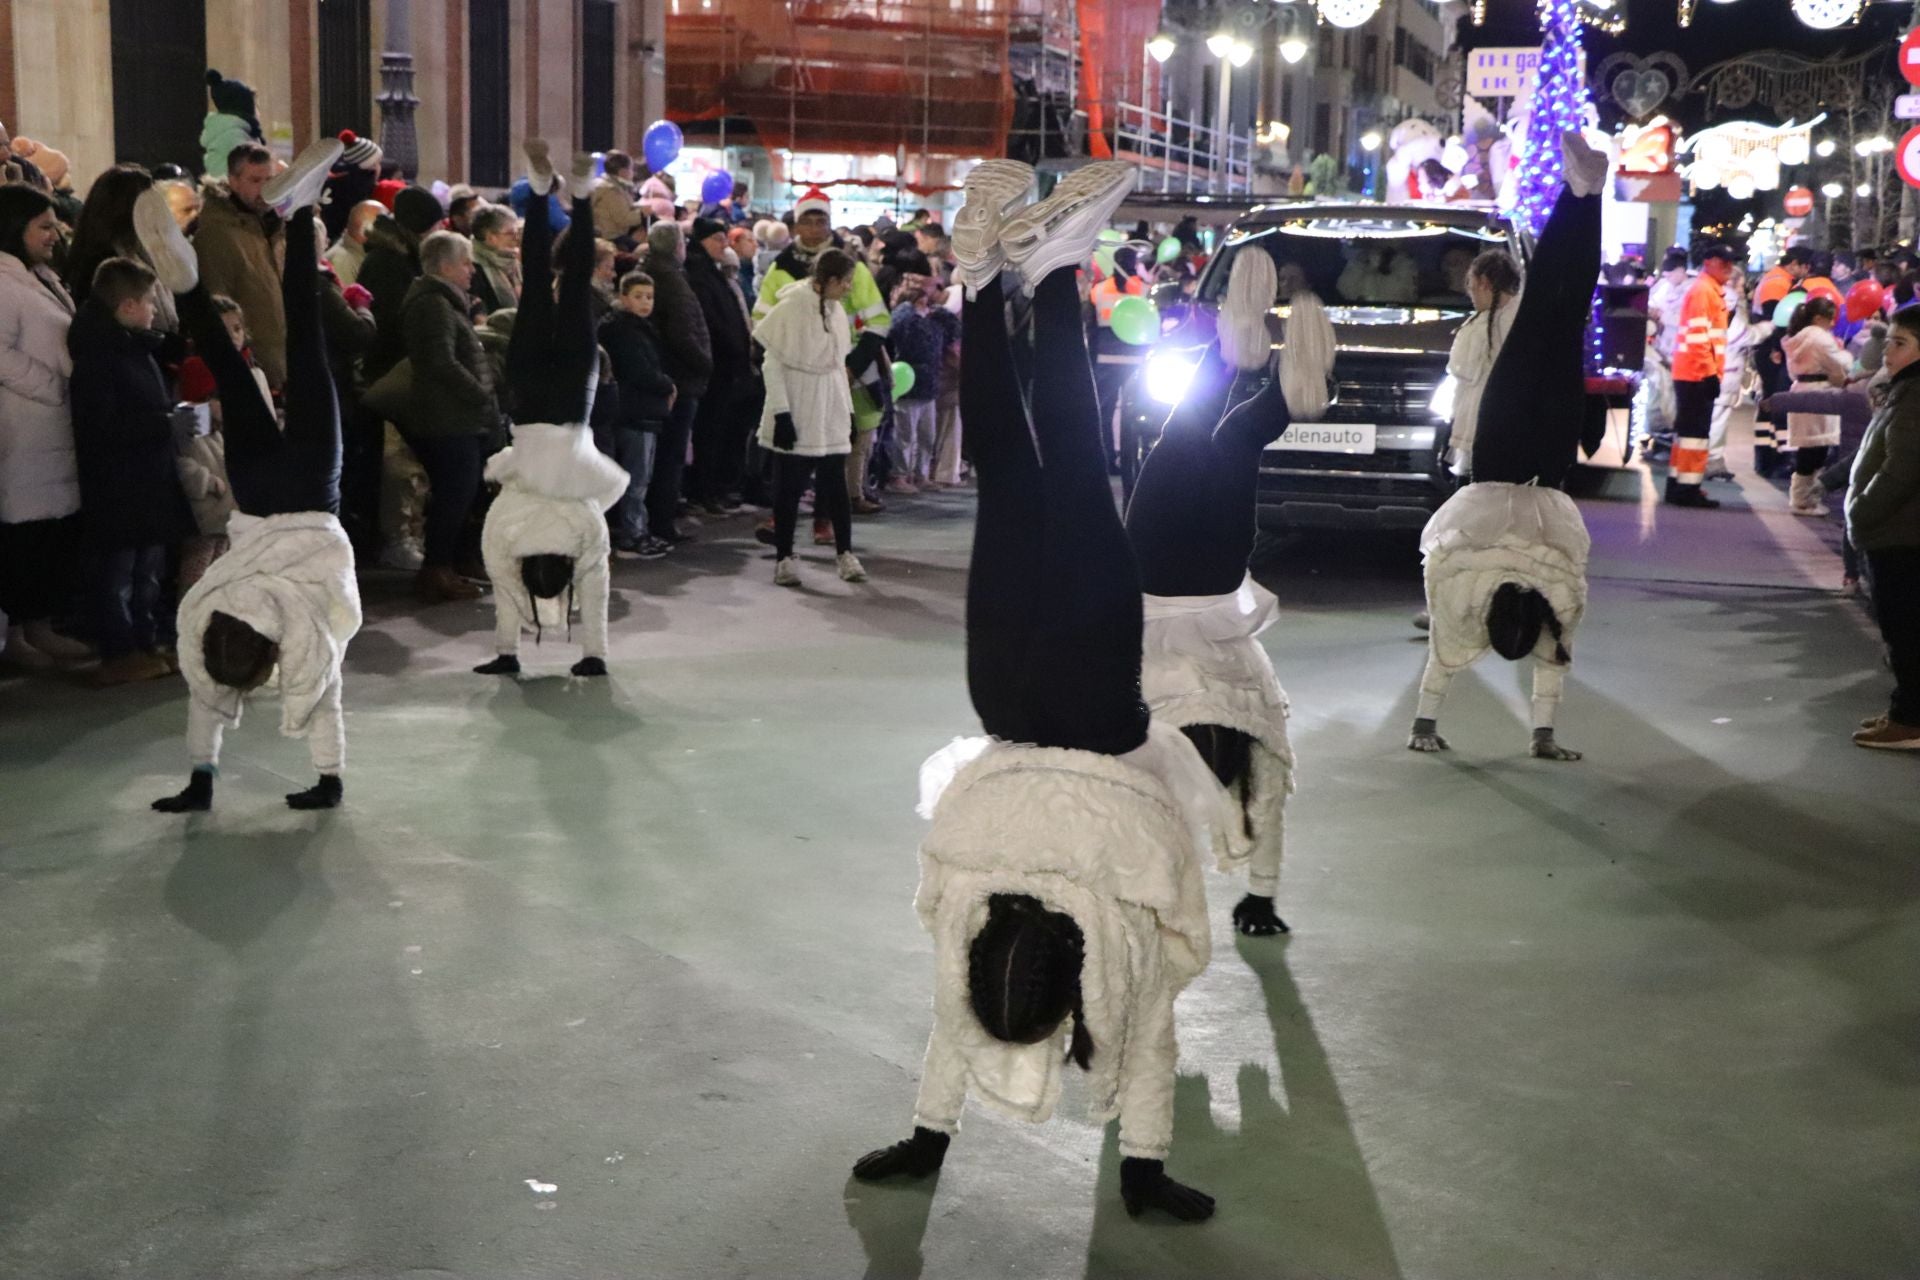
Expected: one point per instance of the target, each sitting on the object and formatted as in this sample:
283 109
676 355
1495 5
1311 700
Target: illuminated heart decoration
1638 92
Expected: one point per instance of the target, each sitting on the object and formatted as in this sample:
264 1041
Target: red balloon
1864 299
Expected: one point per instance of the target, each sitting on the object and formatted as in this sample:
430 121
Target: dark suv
1393 279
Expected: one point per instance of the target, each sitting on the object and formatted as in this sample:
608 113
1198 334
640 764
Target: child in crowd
131 501
921 333
647 395
202 444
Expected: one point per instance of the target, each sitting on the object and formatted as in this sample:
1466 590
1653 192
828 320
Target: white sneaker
1061 230
580 182
786 573
1585 163
300 183
994 189
540 174
851 570
404 554
172 258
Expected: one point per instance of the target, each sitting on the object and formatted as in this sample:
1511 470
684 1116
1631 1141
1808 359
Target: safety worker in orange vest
1699 358
1113 360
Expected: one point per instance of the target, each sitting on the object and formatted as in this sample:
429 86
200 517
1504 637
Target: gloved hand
1254 916
357 296
324 794
197 798
1144 1185
914 1157
785 435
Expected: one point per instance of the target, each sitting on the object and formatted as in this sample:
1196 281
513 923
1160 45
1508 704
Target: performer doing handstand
1061 879
545 536
1506 556
284 594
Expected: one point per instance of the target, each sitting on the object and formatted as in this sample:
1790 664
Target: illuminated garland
1559 106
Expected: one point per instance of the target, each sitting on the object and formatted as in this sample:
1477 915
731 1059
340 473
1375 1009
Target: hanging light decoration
1825 15
1560 106
1479 13
1348 13
1686 13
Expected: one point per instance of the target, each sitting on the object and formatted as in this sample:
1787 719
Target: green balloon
1103 258
902 378
1783 314
1135 321
1169 250
1112 235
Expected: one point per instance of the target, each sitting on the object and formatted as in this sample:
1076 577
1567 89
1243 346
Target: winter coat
241 255
130 493
1815 359
865 305
452 393
1490 533
1113 842
202 467
1201 664
290 578
220 133
921 341
615 216
1883 495
555 489
39 478
496 278
350 332
345 258
681 325
728 337
1468 364
391 266
645 388
806 373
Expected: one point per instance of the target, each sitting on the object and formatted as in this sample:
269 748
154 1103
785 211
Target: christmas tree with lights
1560 104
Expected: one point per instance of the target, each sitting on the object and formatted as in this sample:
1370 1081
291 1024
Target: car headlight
1168 376
1441 405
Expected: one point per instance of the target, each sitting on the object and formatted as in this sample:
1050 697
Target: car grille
1381 402
1404 462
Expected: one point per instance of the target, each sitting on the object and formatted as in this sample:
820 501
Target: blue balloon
660 144
717 187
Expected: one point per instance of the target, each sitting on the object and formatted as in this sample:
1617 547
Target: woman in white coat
1816 361
808 421
1493 282
39 479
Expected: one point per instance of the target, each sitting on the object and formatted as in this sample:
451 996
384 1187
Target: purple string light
1560 103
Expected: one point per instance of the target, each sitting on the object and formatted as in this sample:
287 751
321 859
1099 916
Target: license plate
1326 437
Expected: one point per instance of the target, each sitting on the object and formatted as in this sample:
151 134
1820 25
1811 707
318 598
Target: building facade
124 80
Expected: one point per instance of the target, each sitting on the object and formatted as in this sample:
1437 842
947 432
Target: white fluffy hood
557 462
1490 533
794 333
1100 838
289 577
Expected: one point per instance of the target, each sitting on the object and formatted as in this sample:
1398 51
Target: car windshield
1360 265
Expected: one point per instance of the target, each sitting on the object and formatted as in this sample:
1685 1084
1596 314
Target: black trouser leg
790 475
1533 408
1004 584
1809 461
37 567
1896 601
254 446
311 437
830 499
712 432
453 465
1084 667
669 461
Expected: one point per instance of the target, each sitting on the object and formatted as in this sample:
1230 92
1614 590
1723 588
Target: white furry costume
1487 534
555 488
1200 664
290 578
1112 841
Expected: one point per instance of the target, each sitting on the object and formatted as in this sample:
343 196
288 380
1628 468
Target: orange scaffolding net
929 76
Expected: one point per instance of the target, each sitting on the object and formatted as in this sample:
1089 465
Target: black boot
589 666
505 665
324 794
197 798
1688 495
914 1157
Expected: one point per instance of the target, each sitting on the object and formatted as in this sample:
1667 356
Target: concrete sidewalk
617 978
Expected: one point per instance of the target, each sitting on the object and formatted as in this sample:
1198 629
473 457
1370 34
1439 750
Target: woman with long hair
807 423
1493 283
39 473
106 231
1815 361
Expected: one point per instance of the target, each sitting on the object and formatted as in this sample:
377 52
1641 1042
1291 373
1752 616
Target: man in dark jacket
647 397
682 327
451 408
719 438
392 265
132 506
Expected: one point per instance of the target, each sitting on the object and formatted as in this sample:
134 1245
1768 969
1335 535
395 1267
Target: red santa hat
814 201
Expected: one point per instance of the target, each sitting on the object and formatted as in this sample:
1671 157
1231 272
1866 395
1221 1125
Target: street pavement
617 978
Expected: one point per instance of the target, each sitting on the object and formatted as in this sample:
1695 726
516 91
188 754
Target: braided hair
1498 269
1515 618
1023 974
833 264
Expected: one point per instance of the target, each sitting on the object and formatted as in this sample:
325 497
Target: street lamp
1864 190
1220 44
1871 146
1161 47
1370 141
1293 48
1824 148
1240 54
1832 190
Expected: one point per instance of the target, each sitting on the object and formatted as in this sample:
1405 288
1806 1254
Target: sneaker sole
994 189
161 237
1051 231
300 184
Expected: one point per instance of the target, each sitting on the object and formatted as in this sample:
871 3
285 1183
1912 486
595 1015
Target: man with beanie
719 442
1699 358
241 246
